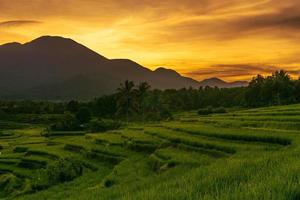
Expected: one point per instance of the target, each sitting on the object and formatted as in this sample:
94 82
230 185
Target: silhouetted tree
140 93
140 102
254 90
105 106
67 123
297 90
277 89
73 106
125 99
83 115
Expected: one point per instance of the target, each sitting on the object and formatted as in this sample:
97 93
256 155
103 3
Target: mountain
216 82
57 68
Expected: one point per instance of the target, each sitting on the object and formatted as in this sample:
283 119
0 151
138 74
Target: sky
229 39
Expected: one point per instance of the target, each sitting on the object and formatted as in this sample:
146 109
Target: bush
158 115
83 115
166 114
20 149
109 183
61 171
9 183
205 111
98 125
220 110
3 115
67 123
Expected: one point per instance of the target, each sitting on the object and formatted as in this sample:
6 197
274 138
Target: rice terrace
149 100
245 154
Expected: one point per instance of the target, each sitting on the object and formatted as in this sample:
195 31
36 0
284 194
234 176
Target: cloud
15 23
233 71
285 18
185 36
269 18
188 20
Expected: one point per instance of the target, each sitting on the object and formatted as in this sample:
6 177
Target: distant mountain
57 68
216 82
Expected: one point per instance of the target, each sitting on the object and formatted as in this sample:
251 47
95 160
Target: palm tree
125 99
141 93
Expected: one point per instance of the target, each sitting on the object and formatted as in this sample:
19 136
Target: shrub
109 183
67 123
158 115
155 162
83 115
20 149
166 114
10 183
219 110
63 170
32 164
205 111
3 115
98 125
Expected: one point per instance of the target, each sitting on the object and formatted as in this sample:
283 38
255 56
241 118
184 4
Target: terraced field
246 154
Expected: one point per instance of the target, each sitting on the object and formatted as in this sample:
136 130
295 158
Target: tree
68 122
2 114
297 90
73 106
140 94
155 107
277 89
83 115
283 87
104 106
125 99
254 90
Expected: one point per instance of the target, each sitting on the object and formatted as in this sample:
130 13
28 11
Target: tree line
140 102
277 89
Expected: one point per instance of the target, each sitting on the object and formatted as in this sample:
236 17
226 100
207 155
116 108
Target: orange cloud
189 36
240 71
14 23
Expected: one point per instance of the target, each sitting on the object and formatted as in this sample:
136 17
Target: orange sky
230 39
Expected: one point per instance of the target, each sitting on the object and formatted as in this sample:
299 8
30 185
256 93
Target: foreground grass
247 154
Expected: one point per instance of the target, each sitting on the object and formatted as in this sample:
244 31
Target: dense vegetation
139 102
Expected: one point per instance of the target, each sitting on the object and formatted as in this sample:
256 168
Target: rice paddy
243 154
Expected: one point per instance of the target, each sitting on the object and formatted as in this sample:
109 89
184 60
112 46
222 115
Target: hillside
59 68
246 154
216 82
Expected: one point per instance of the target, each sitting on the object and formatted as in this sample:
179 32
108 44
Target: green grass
233 134
109 138
242 154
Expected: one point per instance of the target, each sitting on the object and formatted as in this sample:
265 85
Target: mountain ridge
53 67
217 82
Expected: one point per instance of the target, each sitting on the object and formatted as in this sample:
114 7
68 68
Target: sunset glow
229 39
